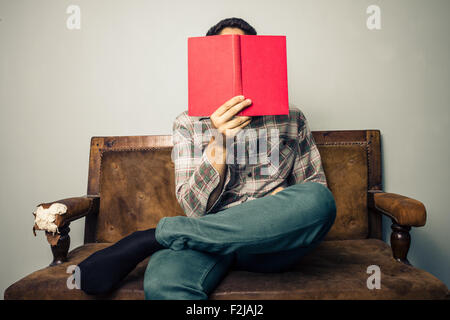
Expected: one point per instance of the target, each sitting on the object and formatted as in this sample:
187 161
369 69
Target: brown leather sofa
131 186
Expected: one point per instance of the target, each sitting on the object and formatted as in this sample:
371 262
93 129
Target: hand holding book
224 119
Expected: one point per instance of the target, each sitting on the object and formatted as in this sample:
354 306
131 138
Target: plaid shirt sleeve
195 177
308 164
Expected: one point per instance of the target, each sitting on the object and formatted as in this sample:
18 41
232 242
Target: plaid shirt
246 179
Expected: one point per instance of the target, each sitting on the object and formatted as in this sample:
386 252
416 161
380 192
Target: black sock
104 269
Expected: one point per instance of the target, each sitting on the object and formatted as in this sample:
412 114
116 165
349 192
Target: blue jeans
267 234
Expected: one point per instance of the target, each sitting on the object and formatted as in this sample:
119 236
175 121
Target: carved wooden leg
400 242
59 243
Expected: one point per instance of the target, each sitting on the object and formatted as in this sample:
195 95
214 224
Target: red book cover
223 66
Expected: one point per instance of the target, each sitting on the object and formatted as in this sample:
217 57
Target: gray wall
124 73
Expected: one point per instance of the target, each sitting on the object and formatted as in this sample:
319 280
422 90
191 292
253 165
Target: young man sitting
238 215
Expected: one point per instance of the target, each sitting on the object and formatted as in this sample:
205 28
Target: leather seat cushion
336 269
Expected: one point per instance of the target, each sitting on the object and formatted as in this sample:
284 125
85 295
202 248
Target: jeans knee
153 283
323 201
164 281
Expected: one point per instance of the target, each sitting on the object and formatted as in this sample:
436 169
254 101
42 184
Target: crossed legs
267 234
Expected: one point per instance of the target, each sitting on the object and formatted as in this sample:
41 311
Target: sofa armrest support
404 212
55 221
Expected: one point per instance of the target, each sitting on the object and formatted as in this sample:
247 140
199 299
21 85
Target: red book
223 66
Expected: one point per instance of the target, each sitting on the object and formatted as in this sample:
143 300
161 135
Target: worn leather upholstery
335 270
137 189
133 178
77 207
345 167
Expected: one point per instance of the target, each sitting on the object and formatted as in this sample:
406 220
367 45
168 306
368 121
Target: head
231 26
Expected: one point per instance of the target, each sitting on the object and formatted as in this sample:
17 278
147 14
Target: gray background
124 73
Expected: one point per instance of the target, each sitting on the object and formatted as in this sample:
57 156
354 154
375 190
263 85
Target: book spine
237 67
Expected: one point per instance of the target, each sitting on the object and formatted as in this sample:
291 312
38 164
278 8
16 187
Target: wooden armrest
405 213
403 210
77 207
57 224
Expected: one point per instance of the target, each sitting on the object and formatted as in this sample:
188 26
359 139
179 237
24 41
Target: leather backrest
134 177
137 189
345 167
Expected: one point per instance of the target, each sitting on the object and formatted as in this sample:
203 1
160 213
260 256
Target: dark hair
231 23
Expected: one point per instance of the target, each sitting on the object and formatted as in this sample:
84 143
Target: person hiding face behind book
236 217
